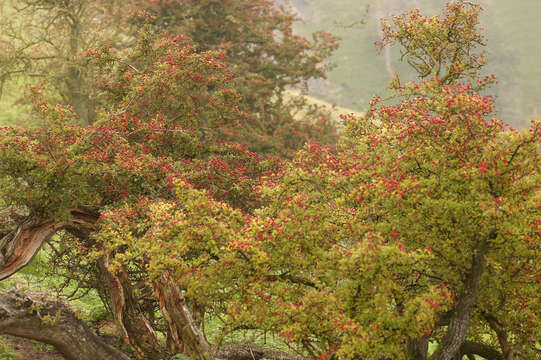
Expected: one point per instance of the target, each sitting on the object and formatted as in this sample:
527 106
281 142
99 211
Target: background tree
48 40
268 58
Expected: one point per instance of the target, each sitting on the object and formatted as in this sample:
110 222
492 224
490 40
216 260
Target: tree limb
461 318
18 247
483 350
34 315
249 351
498 328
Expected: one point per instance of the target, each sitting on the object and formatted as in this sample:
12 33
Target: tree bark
35 316
460 321
182 325
248 351
18 247
132 323
75 84
418 348
471 348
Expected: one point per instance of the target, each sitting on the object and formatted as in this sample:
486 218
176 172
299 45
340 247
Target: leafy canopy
422 227
47 42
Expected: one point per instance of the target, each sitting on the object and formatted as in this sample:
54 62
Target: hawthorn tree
422 228
165 125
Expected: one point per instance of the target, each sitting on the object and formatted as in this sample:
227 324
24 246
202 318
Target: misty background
514 51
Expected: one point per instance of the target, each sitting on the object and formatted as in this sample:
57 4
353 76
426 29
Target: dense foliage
49 41
260 46
423 227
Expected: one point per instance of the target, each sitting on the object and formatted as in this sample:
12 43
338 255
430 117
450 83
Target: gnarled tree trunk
18 247
135 327
460 321
183 328
35 316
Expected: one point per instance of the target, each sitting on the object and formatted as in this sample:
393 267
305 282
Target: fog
514 51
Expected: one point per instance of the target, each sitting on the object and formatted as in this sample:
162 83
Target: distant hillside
514 50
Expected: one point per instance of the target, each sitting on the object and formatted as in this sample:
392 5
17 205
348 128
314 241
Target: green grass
8 113
8 118
6 350
31 277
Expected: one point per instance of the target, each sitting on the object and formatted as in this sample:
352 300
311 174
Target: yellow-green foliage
422 226
364 251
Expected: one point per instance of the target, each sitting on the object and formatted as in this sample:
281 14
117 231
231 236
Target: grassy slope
514 51
335 111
